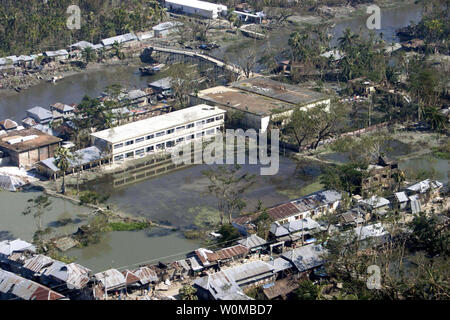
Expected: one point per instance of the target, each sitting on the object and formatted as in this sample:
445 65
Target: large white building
157 134
195 7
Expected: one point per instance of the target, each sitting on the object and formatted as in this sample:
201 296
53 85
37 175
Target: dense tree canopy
35 26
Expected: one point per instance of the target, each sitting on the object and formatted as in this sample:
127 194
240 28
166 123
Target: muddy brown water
71 89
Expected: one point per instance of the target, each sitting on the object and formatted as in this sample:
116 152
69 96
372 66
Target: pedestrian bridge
202 57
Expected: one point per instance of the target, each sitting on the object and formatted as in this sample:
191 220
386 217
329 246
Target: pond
427 163
393 148
175 198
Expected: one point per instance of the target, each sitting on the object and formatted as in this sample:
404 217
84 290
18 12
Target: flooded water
391 20
63 216
70 89
127 248
428 163
174 198
116 249
393 148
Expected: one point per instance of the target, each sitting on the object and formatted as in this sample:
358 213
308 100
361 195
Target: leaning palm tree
88 55
62 162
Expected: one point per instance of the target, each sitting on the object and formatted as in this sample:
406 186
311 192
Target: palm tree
295 42
187 292
62 161
347 40
117 47
101 54
435 118
88 55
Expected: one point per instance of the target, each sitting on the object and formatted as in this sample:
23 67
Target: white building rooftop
203 5
165 121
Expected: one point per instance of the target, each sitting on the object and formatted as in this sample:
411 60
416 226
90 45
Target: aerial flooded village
136 137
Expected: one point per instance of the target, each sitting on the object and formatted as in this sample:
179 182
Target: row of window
169 131
164 145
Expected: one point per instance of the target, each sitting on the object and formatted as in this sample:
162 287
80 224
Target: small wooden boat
152 69
55 79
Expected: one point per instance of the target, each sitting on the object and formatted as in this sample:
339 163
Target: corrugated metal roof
376 202
183 264
81 157
252 241
119 39
283 211
9 246
278 231
424 185
219 285
401 196
62 52
25 289
369 231
281 288
73 274
111 278
306 257
10 183
37 263
8 124
130 277
40 113
82 45
301 224
317 199
227 253
194 264
280 264
249 272
166 25
146 275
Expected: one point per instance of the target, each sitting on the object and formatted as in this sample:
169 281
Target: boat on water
152 69
55 79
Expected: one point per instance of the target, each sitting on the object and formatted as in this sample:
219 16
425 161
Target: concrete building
29 146
40 115
195 7
160 133
260 102
382 176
